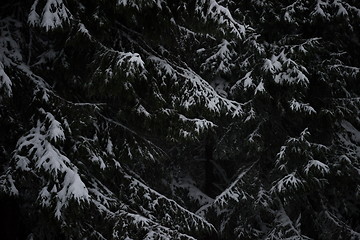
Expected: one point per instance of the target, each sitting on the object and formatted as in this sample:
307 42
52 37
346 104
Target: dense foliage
159 119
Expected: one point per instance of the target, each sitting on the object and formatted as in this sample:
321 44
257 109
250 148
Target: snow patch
287 183
212 10
301 107
54 15
5 82
317 165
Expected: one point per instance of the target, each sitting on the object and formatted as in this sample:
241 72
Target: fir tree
180 120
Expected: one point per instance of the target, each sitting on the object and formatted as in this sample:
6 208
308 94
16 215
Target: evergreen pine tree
179 120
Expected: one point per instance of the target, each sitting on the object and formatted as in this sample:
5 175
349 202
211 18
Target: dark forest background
195 119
